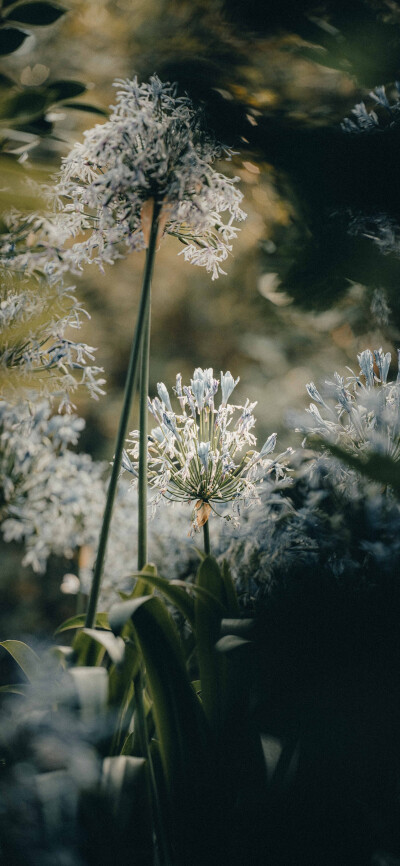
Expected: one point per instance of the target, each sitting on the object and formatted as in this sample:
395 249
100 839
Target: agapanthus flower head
153 148
203 454
360 412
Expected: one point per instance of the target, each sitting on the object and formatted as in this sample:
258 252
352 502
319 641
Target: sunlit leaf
78 621
114 646
25 657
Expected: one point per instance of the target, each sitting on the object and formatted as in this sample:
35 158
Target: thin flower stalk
142 485
123 423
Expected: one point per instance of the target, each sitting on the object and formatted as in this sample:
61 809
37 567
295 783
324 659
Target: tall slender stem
124 418
206 537
143 413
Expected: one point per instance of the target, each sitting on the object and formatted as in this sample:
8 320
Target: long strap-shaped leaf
208 614
185 742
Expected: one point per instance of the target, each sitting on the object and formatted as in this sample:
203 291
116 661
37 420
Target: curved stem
143 415
123 421
206 537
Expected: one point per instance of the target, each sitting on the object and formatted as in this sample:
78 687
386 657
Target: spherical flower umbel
364 415
201 454
152 148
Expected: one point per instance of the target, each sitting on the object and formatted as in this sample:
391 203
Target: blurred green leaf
25 657
78 621
84 106
114 646
91 684
11 39
61 90
24 106
64 654
5 81
126 791
18 689
40 14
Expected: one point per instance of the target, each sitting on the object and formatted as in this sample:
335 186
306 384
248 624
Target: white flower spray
144 173
361 412
153 147
198 454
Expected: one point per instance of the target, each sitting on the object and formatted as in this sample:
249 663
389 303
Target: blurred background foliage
276 79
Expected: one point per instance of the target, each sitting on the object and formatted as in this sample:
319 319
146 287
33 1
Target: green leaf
114 646
92 688
119 819
78 621
87 652
180 723
177 592
230 590
25 106
85 106
231 642
5 81
38 13
242 627
207 629
58 91
11 39
64 654
177 595
25 657
18 689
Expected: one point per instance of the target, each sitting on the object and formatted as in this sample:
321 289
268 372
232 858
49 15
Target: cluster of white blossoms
152 148
36 350
197 454
365 415
52 500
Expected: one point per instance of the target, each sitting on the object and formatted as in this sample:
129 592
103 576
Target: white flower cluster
151 148
366 413
35 351
52 500
369 121
196 455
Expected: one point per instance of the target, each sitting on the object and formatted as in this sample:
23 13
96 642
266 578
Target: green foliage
178 747
25 657
40 14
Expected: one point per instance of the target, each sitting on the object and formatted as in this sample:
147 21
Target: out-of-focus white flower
37 352
153 147
198 455
360 412
52 501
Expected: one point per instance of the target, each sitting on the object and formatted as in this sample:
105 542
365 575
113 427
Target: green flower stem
143 415
124 418
206 537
